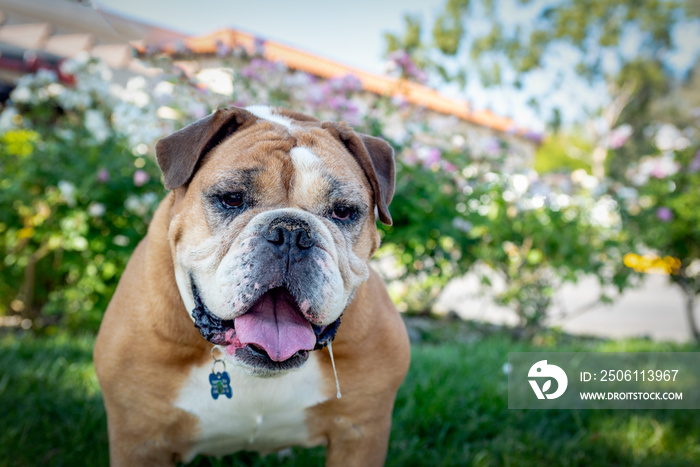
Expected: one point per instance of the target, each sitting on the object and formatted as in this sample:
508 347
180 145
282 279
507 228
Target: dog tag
220 380
220 384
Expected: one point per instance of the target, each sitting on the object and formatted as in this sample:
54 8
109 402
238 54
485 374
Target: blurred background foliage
79 182
76 200
629 69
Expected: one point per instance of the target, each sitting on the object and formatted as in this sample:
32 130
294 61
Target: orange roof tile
299 60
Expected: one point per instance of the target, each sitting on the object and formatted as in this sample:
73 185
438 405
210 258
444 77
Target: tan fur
147 343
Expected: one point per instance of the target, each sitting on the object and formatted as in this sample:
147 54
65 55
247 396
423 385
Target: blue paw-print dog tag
220 384
220 380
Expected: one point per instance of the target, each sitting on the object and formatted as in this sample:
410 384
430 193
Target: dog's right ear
179 153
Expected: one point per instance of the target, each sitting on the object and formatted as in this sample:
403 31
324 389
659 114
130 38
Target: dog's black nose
290 235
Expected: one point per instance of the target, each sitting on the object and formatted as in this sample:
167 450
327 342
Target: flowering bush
77 192
533 235
538 237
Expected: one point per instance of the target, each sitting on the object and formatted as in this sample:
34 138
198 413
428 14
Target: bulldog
248 318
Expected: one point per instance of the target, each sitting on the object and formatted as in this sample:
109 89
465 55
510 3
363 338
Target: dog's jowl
250 289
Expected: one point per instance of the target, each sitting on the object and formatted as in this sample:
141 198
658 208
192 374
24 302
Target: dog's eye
343 212
231 200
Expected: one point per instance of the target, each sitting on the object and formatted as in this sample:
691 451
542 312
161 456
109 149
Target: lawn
452 410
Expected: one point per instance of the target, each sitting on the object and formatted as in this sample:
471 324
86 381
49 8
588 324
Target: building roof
297 59
53 30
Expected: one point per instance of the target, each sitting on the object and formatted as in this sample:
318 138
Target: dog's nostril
304 240
275 236
290 235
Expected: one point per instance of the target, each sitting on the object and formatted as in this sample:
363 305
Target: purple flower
449 167
249 72
347 83
351 107
316 94
403 61
432 158
534 136
103 175
258 67
141 178
222 49
695 163
493 146
419 75
664 214
259 45
334 103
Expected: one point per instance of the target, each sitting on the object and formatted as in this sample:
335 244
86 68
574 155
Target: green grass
452 410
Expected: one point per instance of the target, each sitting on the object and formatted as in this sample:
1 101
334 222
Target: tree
587 42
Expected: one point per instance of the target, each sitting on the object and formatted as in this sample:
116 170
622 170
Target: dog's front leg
361 444
130 450
149 436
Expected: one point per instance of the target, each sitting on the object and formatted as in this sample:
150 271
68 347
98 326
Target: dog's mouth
275 326
273 334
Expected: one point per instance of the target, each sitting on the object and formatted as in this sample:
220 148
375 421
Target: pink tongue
275 325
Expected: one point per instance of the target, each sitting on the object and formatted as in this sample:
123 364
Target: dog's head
273 224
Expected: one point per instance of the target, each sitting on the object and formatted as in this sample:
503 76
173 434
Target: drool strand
335 373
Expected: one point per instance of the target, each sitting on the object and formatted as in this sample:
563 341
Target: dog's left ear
376 158
179 153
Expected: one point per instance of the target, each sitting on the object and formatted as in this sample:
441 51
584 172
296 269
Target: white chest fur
263 415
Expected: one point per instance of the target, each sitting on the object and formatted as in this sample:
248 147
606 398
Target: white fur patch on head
309 182
303 159
265 112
